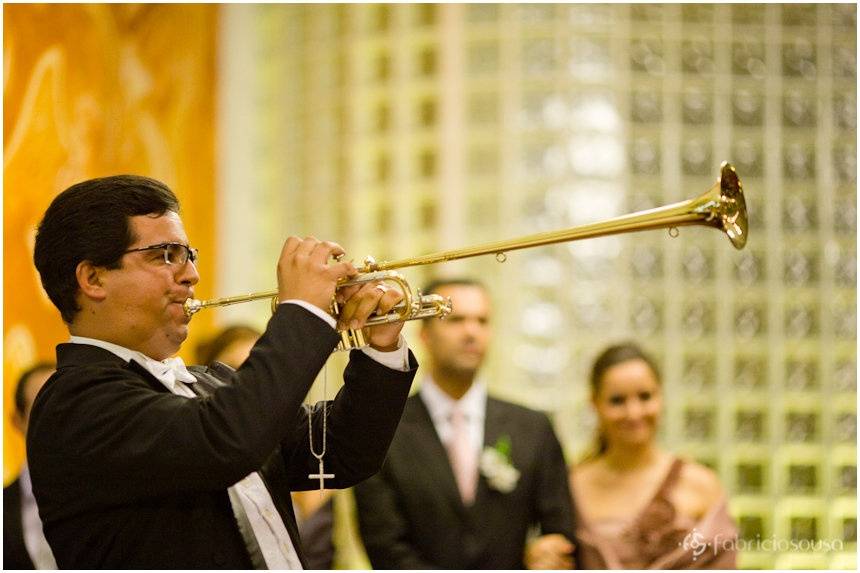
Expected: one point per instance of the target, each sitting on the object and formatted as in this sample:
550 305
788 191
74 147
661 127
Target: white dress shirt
34 537
268 528
473 404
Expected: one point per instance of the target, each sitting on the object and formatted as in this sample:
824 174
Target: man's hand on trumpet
359 302
306 272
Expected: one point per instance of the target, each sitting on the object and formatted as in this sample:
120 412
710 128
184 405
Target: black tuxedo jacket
411 515
15 554
130 475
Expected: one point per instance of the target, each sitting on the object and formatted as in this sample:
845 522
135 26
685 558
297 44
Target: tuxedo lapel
430 454
147 375
69 354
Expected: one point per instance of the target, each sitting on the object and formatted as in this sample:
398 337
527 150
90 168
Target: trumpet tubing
722 207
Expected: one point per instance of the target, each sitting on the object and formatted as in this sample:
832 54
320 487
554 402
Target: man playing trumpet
139 462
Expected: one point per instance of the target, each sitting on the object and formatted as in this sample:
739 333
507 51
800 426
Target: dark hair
89 221
21 385
613 356
207 352
435 285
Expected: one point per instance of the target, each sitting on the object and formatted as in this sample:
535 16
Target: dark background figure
467 476
230 345
24 543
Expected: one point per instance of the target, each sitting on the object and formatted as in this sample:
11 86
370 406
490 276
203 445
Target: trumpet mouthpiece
191 306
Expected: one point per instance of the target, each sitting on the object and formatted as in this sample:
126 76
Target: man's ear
90 280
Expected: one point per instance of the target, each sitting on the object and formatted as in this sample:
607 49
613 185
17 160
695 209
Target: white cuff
396 359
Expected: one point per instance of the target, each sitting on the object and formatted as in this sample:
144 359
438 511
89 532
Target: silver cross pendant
321 476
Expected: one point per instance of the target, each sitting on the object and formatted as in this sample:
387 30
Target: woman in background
637 505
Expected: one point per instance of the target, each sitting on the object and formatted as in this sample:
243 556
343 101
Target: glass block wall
404 129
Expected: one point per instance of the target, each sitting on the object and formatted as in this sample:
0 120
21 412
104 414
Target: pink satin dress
658 537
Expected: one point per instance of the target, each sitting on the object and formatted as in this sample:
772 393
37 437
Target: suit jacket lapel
494 423
432 455
494 427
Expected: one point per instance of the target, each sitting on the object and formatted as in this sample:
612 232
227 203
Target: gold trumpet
722 207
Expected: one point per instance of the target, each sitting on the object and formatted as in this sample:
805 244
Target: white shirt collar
167 371
473 403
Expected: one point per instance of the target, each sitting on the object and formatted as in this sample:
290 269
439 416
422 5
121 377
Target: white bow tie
169 371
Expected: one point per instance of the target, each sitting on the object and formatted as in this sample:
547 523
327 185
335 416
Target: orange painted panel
89 91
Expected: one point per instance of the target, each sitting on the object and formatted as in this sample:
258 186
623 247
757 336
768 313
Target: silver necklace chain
320 475
319 456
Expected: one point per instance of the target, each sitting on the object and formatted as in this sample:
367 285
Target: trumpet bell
733 217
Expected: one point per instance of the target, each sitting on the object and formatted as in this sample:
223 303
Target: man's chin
178 336
470 363
466 371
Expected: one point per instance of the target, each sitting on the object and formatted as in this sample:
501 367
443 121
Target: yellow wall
95 90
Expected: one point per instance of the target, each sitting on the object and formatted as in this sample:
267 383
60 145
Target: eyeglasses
174 253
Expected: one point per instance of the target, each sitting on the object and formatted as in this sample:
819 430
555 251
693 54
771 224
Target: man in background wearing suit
467 476
24 543
141 463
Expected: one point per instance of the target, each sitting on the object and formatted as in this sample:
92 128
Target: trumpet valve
442 306
370 264
350 340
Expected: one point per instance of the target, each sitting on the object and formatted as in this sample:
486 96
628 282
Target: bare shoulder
701 477
700 485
